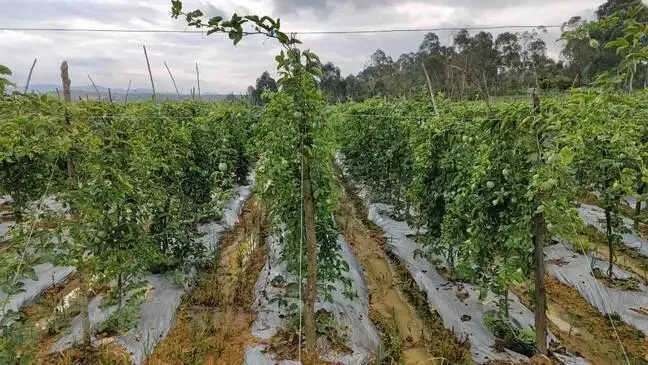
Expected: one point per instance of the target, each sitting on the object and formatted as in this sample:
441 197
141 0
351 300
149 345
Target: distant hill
118 94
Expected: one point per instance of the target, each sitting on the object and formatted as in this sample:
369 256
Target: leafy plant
4 82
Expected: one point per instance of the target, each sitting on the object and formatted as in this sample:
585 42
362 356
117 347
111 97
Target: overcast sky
112 59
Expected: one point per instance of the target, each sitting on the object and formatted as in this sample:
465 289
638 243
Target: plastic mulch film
632 202
157 313
213 231
595 216
157 316
573 269
96 315
457 304
47 276
351 315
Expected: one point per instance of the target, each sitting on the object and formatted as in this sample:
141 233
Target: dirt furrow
410 331
213 323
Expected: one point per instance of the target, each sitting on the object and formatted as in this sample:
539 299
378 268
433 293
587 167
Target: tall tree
332 84
264 83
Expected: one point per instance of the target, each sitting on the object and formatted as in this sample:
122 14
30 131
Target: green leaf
215 20
4 70
176 8
253 18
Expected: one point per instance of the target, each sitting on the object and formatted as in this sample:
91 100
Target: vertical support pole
148 64
30 75
538 234
198 79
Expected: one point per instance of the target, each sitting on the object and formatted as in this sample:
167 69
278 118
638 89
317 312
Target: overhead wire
301 32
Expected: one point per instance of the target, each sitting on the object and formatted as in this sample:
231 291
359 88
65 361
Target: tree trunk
540 290
610 238
311 244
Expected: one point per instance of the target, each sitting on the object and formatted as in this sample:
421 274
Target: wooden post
311 242
148 64
127 91
67 98
109 96
538 238
30 75
58 94
95 87
427 77
610 239
198 79
637 212
67 95
172 79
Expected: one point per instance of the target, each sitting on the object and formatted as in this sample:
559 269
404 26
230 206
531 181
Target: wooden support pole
95 87
538 237
148 64
172 79
30 76
127 91
429 83
198 79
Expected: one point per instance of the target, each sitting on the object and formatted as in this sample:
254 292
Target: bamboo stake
148 64
427 77
30 75
95 87
109 96
172 79
198 78
127 91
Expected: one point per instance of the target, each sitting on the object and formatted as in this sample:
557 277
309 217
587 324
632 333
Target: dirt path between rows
584 330
213 323
410 333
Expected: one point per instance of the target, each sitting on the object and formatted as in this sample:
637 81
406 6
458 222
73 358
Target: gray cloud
115 58
327 7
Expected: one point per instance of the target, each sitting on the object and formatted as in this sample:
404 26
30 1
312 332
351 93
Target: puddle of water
386 297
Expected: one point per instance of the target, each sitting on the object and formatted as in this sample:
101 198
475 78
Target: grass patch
392 345
103 355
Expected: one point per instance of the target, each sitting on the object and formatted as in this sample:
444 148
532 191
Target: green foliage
16 346
476 175
124 318
4 82
142 176
279 174
511 335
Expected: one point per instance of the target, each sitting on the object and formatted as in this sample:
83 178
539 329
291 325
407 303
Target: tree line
481 65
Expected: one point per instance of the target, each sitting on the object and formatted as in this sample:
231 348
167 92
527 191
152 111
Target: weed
510 336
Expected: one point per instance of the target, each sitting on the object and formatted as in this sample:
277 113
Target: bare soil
212 325
411 331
